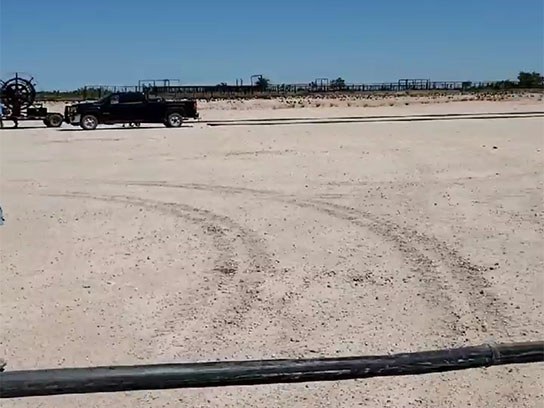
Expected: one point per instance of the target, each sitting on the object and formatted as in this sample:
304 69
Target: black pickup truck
129 108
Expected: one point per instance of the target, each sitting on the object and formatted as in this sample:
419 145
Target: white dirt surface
133 246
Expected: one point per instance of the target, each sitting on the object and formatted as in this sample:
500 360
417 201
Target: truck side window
114 99
131 98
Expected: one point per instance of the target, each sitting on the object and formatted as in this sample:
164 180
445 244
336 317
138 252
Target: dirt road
128 246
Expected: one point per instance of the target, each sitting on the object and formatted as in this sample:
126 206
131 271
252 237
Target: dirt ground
134 246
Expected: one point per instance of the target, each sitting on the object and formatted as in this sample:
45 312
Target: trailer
18 103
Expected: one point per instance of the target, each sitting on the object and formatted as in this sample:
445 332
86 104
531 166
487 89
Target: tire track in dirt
440 268
533 221
478 311
237 288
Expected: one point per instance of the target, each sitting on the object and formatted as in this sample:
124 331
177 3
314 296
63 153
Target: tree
530 80
466 85
337 84
262 83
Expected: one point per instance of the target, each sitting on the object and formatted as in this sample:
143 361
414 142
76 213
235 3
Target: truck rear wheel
174 120
89 122
53 120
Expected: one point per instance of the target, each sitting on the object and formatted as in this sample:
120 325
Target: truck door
155 110
131 107
109 108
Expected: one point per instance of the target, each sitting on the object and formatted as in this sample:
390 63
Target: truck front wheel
174 120
89 122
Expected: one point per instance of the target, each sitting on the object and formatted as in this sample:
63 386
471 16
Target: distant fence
277 90
223 91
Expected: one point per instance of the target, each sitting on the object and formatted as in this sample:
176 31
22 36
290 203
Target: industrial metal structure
166 88
17 103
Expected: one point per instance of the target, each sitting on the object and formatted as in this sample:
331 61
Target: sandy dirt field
133 246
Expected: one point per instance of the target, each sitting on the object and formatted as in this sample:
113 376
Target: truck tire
53 120
89 122
174 120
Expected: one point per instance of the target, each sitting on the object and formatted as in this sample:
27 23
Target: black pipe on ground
215 374
369 119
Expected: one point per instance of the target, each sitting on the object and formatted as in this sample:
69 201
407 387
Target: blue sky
69 43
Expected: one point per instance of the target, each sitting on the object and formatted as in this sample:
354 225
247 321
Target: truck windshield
104 99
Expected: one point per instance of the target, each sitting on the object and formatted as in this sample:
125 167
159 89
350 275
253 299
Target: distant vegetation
337 84
262 83
81 93
530 80
525 80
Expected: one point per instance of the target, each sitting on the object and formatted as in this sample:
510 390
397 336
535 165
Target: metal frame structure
414 84
171 88
258 77
153 82
242 91
17 103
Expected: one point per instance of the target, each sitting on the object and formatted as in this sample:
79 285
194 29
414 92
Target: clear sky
69 43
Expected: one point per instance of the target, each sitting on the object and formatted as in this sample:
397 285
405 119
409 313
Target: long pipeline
216 374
